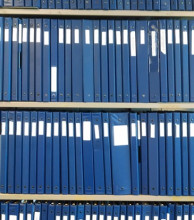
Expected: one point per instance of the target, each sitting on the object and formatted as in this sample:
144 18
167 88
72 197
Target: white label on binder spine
186 217
25 35
125 36
177 36
177 130
94 217
110 36
2 216
147 217
96 131
109 217
3 127
155 217
191 129
105 126
13 217
26 129
78 130
11 128
185 38
56 129
37 216
154 52
152 130
143 129
103 38
133 129
87 36
192 46
64 129
65 217
41 128
33 133
115 218
38 33
48 130
179 217
161 129
138 130
15 34
142 37
46 38
72 217
70 127
20 34
6 37
168 216
169 36
29 216
137 217
120 134
61 36
184 129
68 36
96 36
101 217
21 216
86 130
18 128
169 126
130 217
31 35
53 79
76 36
192 217
58 217
122 217
163 41
133 43
87 217
118 37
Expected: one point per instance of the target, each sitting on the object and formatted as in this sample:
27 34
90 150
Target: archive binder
20 65
58 209
191 142
165 5
51 212
80 211
1 56
44 211
188 5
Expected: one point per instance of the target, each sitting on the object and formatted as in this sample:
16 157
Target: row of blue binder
101 211
96 60
97 153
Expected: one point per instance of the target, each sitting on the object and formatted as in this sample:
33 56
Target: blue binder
146 211
73 211
46 57
186 211
18 155
88 4
28 3
19 3
56 154
107 153
48 153
123 212
142 61
153 157
98 153
77 64
185 154
36 3
1 56
80 211
171 210
51 211
121 172
163 211
41 153
126 5
141 4
163 61
174 5
188 5
119 5
72 155
181 5
96 4
23 210
102 209
37 211
88 74
149 5
155 211
191 59
116 211
134 4
64 153
134 154
137 211
79 153
44 4
30 210
165 5
58 4
131 211
191 210
87 210
19 60
112 5
65 211
88 154
51 4
5 210
73 4
66 4
33 153
191 152
156 4
58 210
80 4
109 211
44 211
178 211
111 61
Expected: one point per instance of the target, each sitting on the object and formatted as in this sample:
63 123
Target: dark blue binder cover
65 211
171 210
5 210
44 211
1 56
123 211
88 4
44 4
102 210
141 4
56 154
191 152
165 5
109 211
33 153
51 4
156 4
58 4
105 5
28 3
64 153
73 211
186 211
174 5
79 153
46 59
19 60
134 4
111 61
104 61
80 4
87 210
81 211
23 210
178 211
138 211
19 3
130 211
96 4
119 5
116 211
51 211
36 3
120 152
146 211
126 4
65 4
113 5
153 157
181 5
142 61
191 59
155 212
149 5
41 153
72 155
88 74
73 4
191 209
188 5
163 211
58 210
37 210
30 210
88 154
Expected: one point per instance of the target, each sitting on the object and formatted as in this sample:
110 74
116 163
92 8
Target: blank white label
11 127
48 129
18 128
163 41
152 130
169 36
115 218
25 35
96 36
76 36
86 130
13 217
31 35
26 129
2 216
58 217
179 217
14 34
78 130
46 38
138 130
20 33
184 129
56 129
137 217
21 217
103 38
64 129
6 37
133 43
110 36
38 33
72 217
53 79
185 38
61 36
191 129
177 36
169 130
94 217
161 129
33 133
109 217
130 217
122 217
186 217
3 127
101 217
65 217
118 37
177 130
41 128
96 131
143 129
70 127
125 36
142 37
68 36
147 217
87 217
105 126
37 216
192 217
87 36
29 217
168 216
154 52
155 217
133 129
120 134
